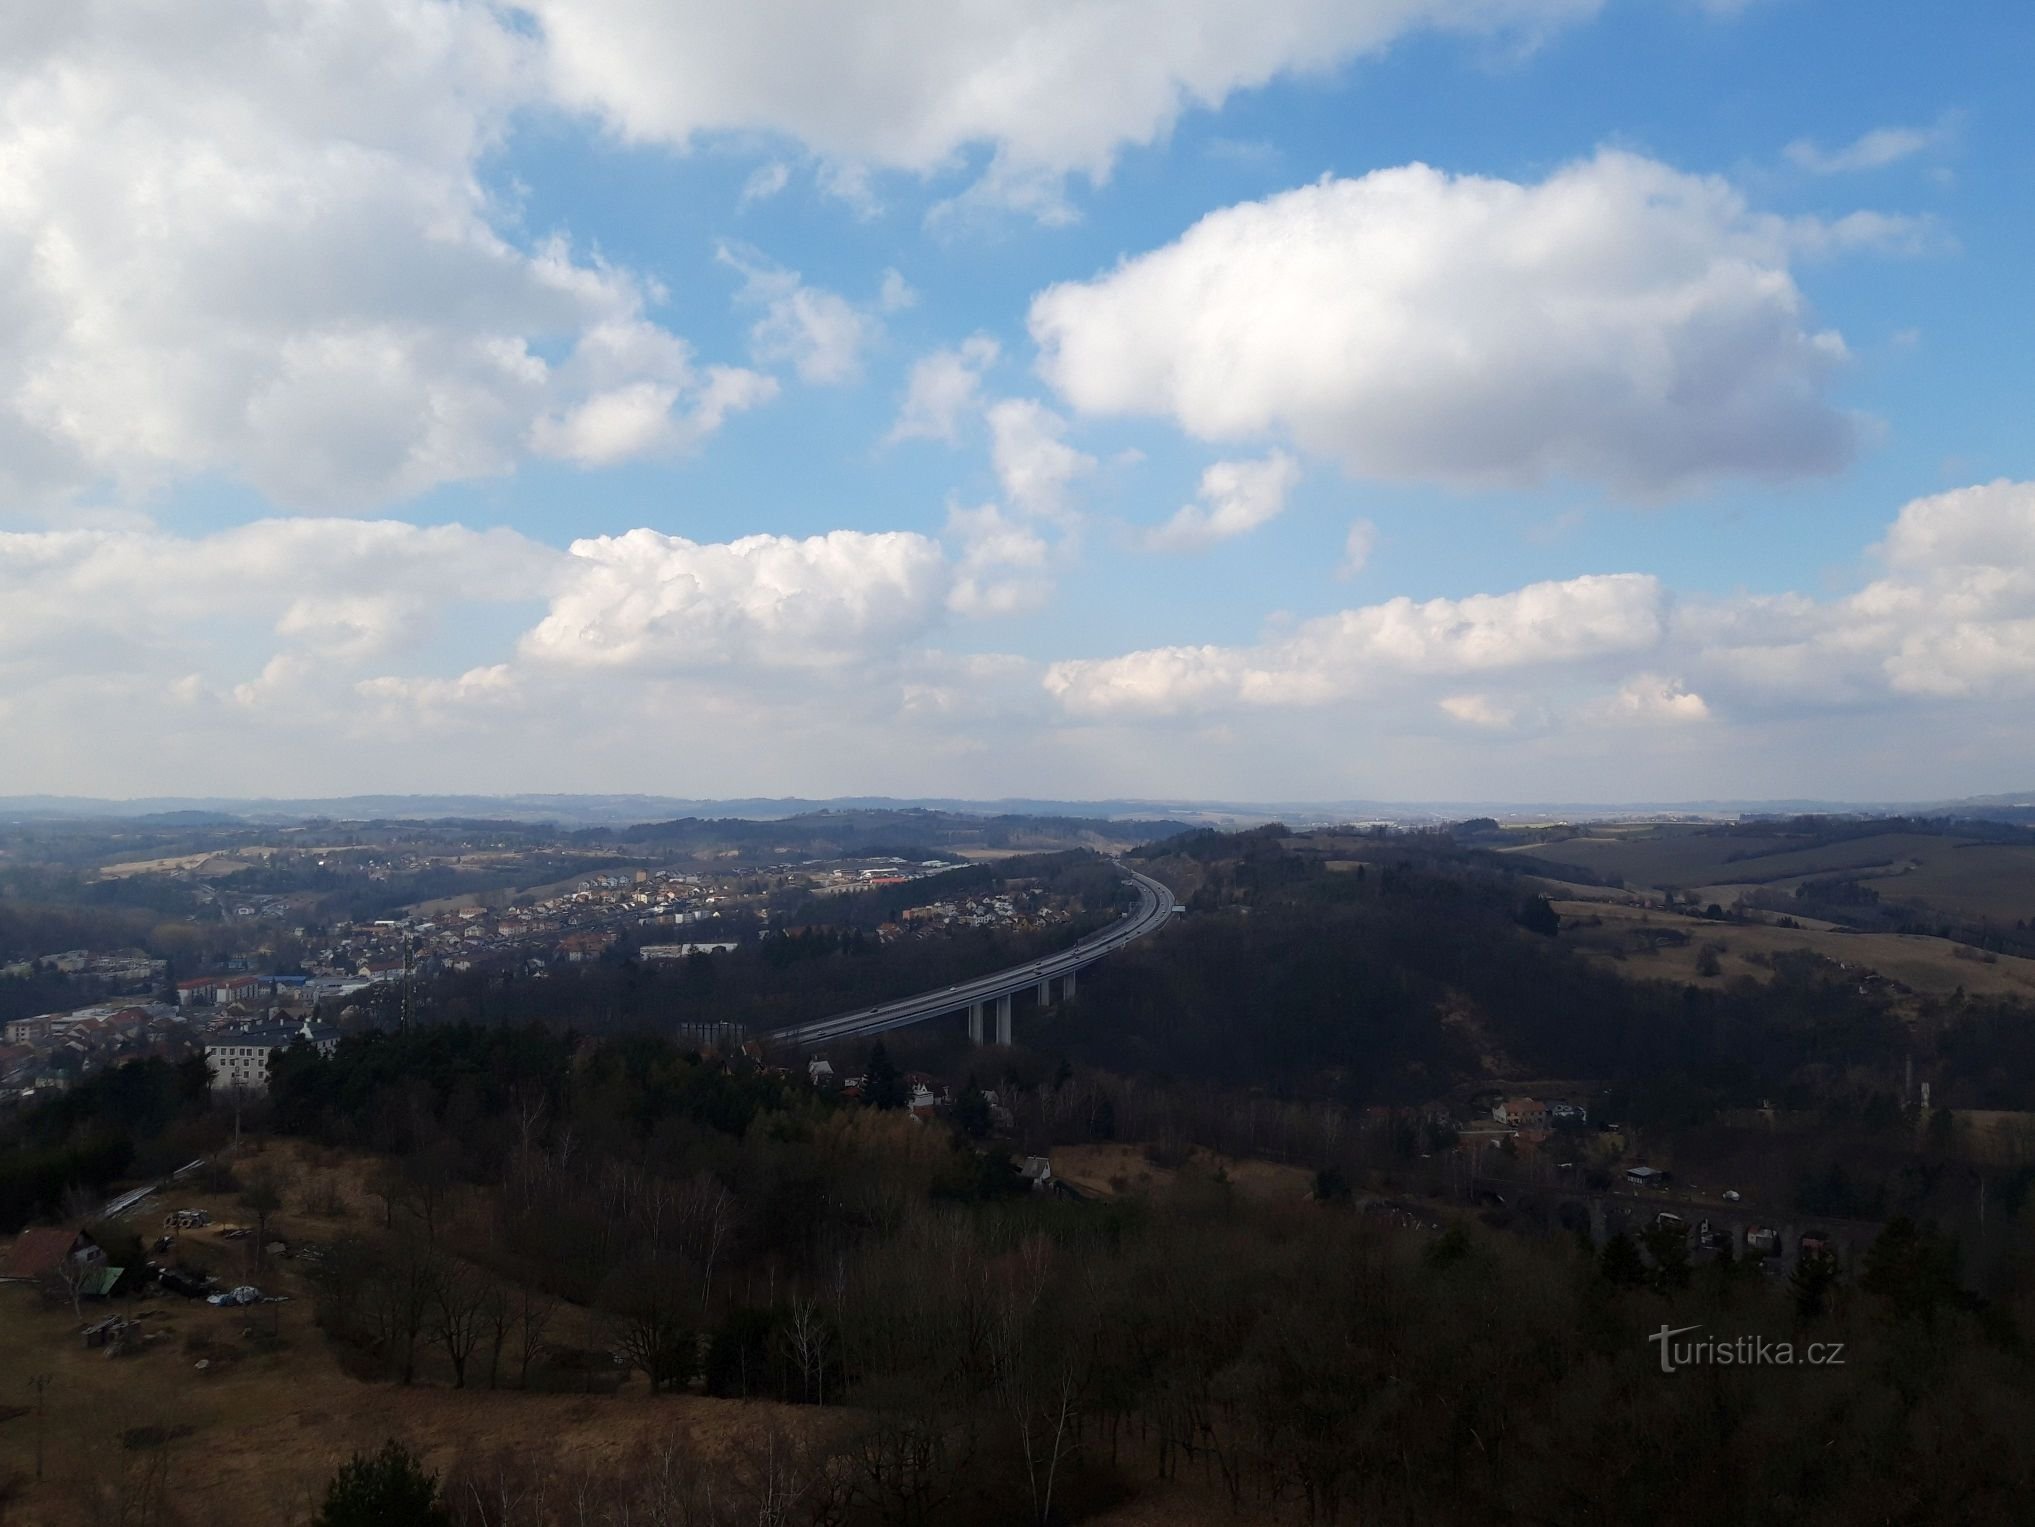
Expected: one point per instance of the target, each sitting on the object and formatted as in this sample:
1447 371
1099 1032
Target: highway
1155 907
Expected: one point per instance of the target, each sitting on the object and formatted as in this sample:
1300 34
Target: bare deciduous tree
460 1295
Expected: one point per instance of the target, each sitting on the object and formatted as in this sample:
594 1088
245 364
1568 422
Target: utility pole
409 963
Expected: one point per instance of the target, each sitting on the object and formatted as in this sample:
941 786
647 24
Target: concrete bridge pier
1003 1019
1046 991
975 1022
1067 987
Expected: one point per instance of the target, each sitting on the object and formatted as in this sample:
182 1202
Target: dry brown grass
1110 1169
274 1413
1932 966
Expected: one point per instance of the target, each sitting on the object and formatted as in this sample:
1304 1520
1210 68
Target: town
348 975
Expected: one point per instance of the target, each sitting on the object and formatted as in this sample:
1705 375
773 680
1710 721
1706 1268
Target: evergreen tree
1668 1247
385 1489
971 1110
882 1086
1620 1263
1912 1268
1814 1276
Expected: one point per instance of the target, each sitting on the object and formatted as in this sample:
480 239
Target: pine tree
1814 1276
971 1110
882 1087
1620 1264
387 1489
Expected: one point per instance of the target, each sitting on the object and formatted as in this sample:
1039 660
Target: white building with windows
240 1057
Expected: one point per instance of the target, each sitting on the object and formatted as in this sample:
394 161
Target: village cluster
237 1014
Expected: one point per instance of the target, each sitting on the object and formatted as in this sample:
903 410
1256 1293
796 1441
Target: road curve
1155 907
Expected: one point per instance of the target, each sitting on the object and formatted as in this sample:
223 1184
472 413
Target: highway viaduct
987 999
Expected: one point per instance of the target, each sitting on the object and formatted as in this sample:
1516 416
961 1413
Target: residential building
240 1057
36 1253
1521 1113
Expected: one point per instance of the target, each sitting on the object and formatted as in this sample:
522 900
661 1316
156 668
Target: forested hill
1392 968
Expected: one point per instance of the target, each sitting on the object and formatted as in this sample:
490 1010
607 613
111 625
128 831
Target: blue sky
428 395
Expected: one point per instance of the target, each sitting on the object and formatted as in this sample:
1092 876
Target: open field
254 1436
1986 880
1650 856
1700 858
1109 1170
1932 966
1956 875
254 1439
209 864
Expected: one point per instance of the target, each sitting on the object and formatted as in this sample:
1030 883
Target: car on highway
1731 1195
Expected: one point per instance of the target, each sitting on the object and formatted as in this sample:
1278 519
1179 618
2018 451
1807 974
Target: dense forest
1392 984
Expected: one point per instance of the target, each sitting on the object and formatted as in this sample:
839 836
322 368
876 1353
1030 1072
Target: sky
1607 400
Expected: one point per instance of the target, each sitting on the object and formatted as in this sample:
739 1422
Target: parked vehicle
247 1293
177 1281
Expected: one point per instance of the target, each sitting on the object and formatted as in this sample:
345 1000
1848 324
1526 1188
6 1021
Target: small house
37 1253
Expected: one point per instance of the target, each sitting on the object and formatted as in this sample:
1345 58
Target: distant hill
878 831
628 810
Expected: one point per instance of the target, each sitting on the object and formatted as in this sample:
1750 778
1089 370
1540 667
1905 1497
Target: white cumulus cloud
1050 87
1336 657
1486 712
1952 616
1619 322
1034 463
248 238
821 334
945 387
1003 568
1236 498
1649 698
652 601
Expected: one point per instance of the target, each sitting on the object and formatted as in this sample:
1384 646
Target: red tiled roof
37 1251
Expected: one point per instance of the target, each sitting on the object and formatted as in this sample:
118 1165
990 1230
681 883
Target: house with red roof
41 1251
